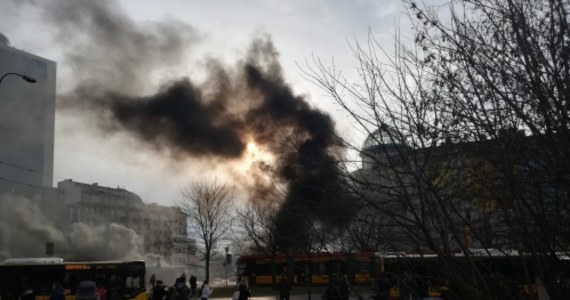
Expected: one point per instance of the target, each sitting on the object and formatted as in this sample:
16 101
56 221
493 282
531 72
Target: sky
219 29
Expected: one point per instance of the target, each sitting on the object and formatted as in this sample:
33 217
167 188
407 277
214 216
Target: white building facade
27 120
162 230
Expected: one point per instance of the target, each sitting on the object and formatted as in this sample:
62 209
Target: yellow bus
420 274
120 279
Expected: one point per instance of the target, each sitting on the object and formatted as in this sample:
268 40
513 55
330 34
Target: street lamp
24 77
227 262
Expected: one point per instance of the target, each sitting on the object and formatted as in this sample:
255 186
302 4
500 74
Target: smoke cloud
114 58
27 230
104 47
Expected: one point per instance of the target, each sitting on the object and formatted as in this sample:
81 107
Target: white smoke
25 230
111 242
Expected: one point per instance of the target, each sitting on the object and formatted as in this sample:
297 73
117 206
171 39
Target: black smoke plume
211 119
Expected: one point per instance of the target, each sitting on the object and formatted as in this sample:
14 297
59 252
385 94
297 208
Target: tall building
27 113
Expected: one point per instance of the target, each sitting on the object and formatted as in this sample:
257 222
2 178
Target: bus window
321 269
134 282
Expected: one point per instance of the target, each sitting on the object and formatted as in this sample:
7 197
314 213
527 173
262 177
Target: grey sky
299 29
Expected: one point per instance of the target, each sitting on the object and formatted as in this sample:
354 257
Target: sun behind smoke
251 172
253 155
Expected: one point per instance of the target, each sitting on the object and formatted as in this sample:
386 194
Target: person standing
333 290
205 290
193 282
101 292
158 291
171 293
344 288
28 293
284 288
182 290
57 292
243 289
86 290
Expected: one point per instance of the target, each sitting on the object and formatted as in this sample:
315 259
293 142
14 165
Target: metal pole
309 276
226 263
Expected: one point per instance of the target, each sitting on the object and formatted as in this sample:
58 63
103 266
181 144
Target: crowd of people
186 290
180 290
338 289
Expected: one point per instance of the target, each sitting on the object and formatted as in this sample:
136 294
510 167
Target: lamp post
24 77
226 263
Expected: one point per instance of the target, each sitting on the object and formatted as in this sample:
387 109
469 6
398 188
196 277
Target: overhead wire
17 182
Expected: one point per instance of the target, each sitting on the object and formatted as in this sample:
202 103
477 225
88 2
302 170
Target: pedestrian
407 287
205 290
383 286
101 292
344 288
158 291
243 289
86 290
193 285
57 292
182 290
284 288
171 293
28 293
333 290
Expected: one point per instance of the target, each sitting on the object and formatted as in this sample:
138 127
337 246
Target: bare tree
257 230
469 131
207 204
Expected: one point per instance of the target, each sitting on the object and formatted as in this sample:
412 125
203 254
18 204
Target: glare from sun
254 153
252 150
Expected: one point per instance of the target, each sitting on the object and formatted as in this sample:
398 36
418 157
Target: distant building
166 233
394 180
93 204
27 113
162 229
381 183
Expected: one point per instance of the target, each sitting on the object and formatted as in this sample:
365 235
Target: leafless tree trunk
207 204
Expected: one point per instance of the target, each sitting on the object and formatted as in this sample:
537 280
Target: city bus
422 273
314 268
121 279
